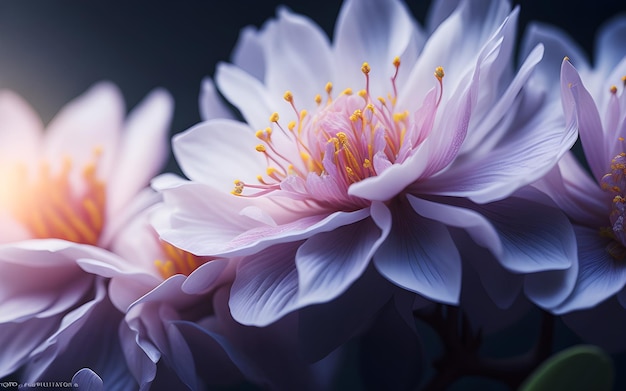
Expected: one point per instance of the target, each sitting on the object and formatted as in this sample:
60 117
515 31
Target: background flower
65 194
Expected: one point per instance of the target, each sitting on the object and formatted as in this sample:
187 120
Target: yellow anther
362 93
566 58
260 148
291 125
341 136
620 138
304 156
396 61
624 80
260 178
365 68
318 99
397 117
274 117
382 100
347 91
260 134
370 107
357 115
303 113
270 171
366 162
329 87
288 96
613 90
439 74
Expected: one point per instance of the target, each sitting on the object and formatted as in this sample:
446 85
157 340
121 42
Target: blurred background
52 51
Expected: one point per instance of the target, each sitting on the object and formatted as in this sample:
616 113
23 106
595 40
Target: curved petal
248 52
573 190
90 123
219 152
211 104
600 275
266 286
21 129
205 277
248 94
522 232
88 380
579 104
610 46
419 255
143 151
297 58
558 44
374 32
329 262
216 226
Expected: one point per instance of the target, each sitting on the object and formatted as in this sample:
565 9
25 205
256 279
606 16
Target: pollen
260 148
274 117
365 68
288 96
613 90
396 61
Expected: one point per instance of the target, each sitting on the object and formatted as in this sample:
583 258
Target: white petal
211 103
218 152
419 255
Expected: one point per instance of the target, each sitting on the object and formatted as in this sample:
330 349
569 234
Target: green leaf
582 367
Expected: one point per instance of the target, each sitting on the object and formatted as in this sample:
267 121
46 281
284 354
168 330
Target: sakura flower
594 98
65 193
369 149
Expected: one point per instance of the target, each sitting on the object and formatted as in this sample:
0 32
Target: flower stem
461 356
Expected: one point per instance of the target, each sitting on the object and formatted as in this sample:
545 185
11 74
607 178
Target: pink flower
66 192
369 148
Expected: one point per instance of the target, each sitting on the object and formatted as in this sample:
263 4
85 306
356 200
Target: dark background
52 51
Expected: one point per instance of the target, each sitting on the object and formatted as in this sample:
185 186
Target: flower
177 330
594 99
65 194
384 139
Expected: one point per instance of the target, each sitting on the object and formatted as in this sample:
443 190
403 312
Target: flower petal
91 122
610 47
211 104
600 276
374 32
21 129
88 380
579 105
219 152
297 58
143 149
266 286
248 94
329 262
419 255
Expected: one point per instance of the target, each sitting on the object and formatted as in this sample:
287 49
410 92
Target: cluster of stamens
177 261
341 139
50 208
615 183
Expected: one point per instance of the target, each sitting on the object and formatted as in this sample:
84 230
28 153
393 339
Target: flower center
349 138
177 261
49 207
615 183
